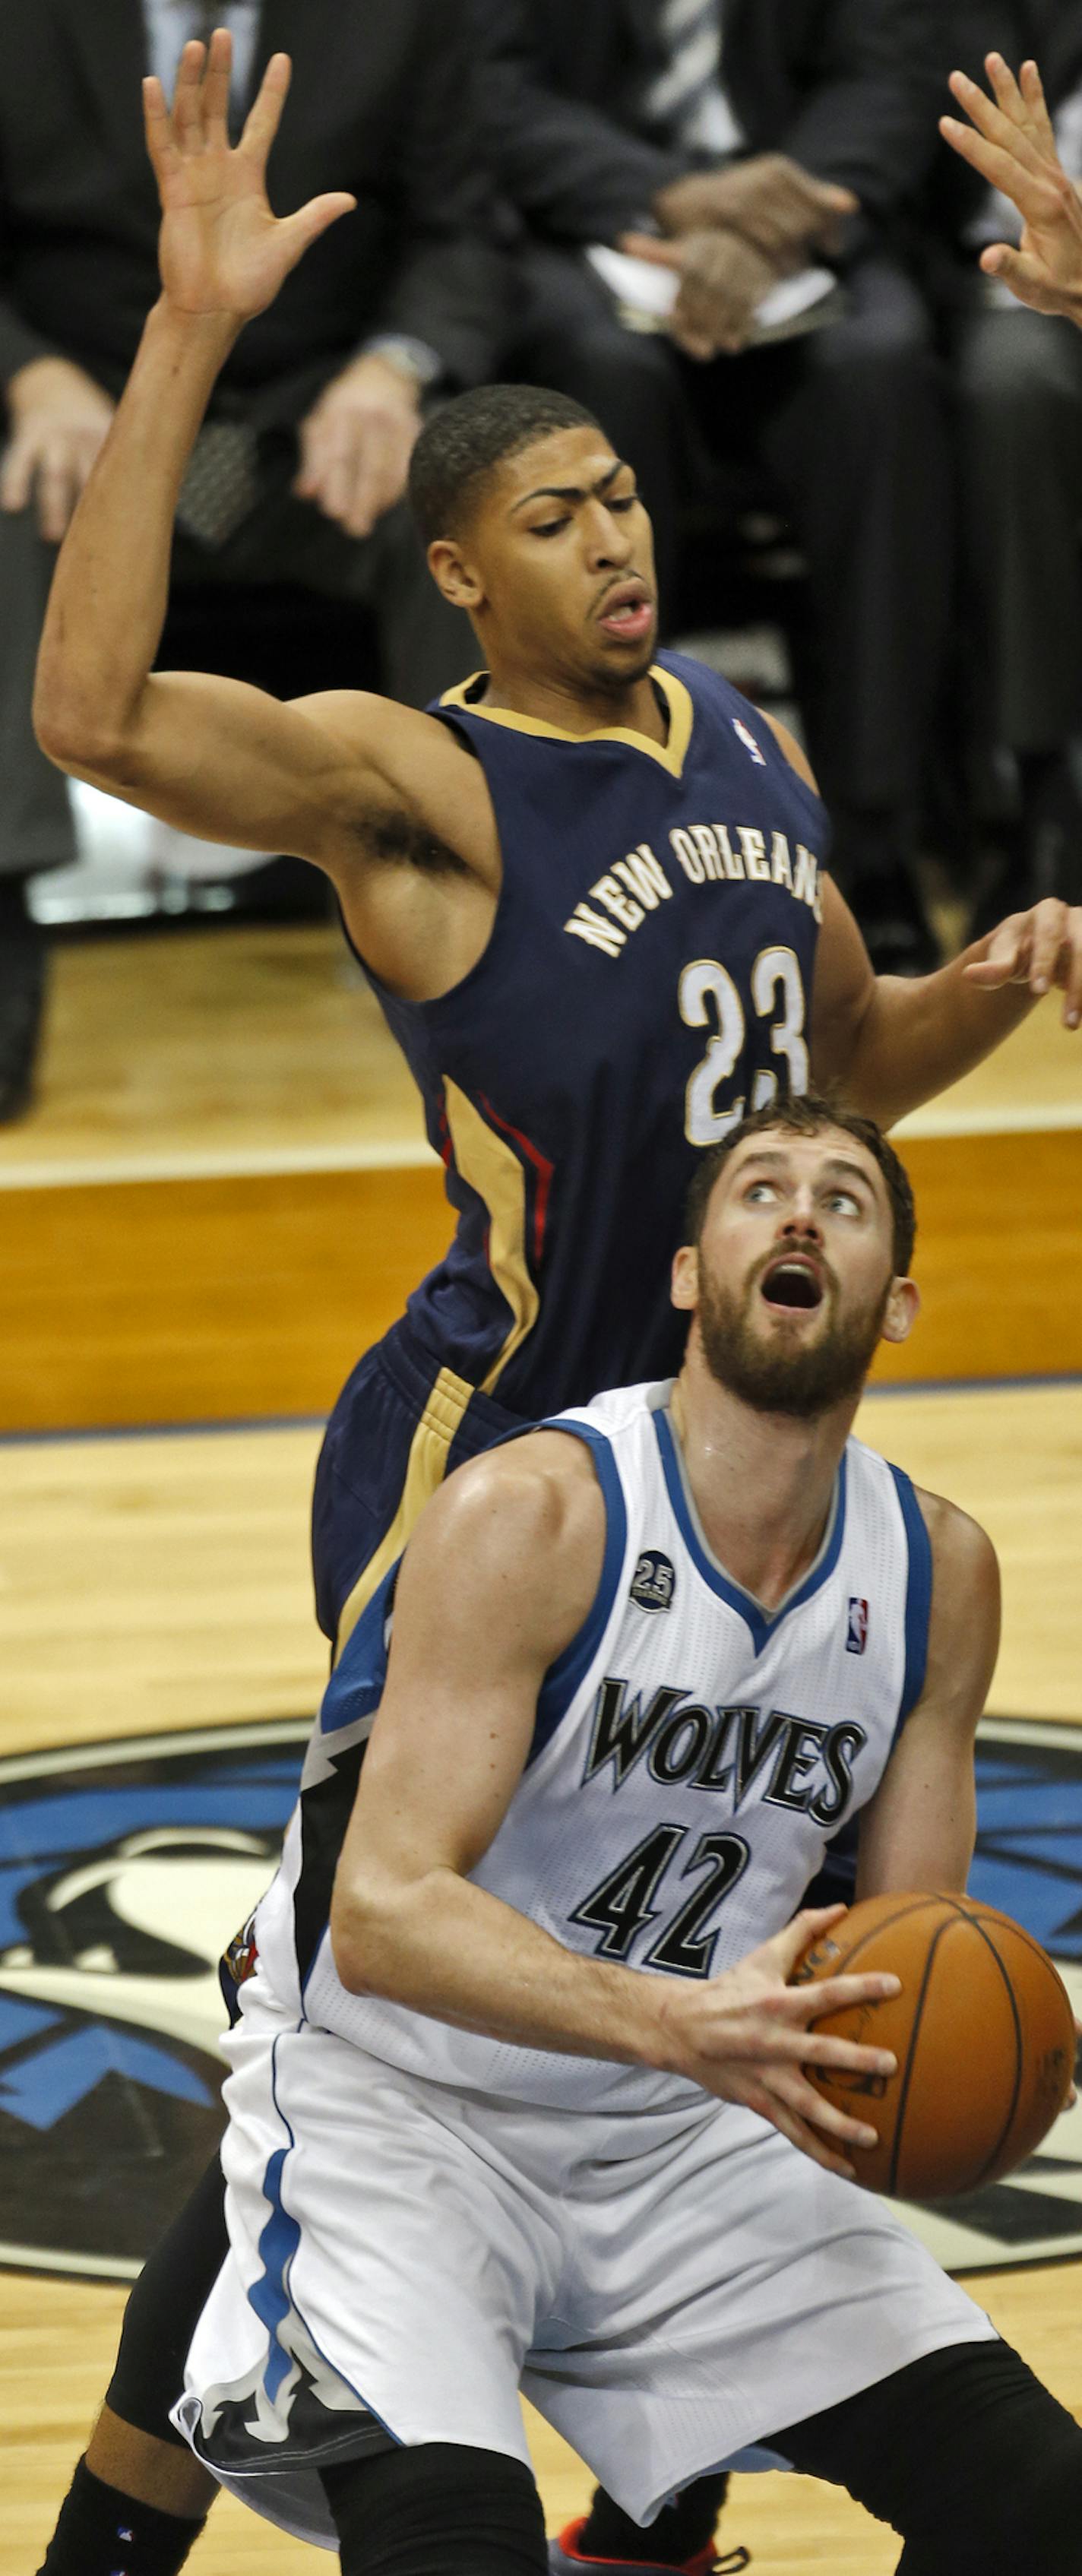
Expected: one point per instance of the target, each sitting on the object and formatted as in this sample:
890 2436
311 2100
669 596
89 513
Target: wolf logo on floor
126 1869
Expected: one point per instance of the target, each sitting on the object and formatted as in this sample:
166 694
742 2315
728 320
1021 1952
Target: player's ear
903 1308
685 1278
454 574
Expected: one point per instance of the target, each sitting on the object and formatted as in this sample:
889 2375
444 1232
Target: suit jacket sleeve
20 344
869 121
450 285
566 166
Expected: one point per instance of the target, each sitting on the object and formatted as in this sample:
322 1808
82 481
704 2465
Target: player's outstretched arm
919 1829
886 1043
215 757
497 1579
1010 141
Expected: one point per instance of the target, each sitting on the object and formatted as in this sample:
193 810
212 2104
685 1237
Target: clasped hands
731 234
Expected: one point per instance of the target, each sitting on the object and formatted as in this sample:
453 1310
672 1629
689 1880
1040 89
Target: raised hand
1041 948
221 250
744 2036
1011 142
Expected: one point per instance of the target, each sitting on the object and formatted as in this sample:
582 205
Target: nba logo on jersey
857 1631
653 1583
749 742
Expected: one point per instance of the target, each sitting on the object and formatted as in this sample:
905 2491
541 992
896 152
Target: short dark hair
466 438
808 1117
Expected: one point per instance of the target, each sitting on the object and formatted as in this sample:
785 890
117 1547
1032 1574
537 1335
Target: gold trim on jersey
492 1169
671 754
445 1404
495 1172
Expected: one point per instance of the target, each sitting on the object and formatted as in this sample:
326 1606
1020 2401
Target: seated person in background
757 139
303 463
1020 386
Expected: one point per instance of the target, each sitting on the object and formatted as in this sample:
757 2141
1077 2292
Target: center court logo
124 1870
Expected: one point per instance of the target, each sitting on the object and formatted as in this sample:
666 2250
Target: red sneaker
565 2557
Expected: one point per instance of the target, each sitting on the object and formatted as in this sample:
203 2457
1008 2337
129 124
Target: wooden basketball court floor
222 1195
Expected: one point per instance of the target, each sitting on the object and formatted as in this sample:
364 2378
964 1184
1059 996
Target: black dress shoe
1004 886
22 995
898 938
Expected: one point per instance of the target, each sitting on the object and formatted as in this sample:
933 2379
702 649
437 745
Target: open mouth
627 612
792 1283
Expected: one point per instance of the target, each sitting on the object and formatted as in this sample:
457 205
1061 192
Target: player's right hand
58 418
220 250
744 2036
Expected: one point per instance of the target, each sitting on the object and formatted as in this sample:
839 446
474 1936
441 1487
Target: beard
803 1382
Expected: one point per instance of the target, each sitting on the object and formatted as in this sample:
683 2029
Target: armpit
403 842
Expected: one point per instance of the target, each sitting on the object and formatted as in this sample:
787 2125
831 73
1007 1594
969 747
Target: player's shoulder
712 692
964 1560
791 750
362 723
534 1503
388 764
960 1548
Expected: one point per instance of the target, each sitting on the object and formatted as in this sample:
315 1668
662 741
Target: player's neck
762 1483
572 705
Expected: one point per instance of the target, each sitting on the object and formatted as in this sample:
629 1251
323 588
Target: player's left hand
1011 143
722 279
1041 948
357 441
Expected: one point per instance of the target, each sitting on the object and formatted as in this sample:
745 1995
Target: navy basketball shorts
401 1423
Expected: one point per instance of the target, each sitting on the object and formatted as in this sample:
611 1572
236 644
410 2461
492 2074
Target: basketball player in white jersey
519 2094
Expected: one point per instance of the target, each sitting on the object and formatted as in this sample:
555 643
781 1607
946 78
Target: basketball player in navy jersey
491 2080
589 894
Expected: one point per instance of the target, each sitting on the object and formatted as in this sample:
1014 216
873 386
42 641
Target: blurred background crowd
862 458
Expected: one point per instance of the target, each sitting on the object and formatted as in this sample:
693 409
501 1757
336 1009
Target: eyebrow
572 491
835 1163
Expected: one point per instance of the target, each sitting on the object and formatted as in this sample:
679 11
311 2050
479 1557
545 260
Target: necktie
221 484
687 100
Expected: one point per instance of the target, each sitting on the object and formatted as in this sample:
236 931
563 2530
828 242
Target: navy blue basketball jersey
647 980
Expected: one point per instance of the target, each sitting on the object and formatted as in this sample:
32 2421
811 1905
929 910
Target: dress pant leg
1019 378
36 828
860 444
424 645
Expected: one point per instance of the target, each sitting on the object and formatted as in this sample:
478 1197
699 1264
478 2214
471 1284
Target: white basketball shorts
667 2290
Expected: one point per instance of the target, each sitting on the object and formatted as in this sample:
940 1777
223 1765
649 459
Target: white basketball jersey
692 1759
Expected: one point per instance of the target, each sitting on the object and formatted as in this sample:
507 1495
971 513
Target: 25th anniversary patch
124 1870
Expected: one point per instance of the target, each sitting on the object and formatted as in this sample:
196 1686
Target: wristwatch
413 358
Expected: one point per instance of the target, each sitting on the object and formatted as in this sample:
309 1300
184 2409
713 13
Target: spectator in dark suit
1020 411
755 133
300 471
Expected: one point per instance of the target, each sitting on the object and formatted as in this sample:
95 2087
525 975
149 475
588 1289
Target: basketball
983 2031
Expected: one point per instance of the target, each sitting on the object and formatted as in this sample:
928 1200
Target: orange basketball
983 2032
